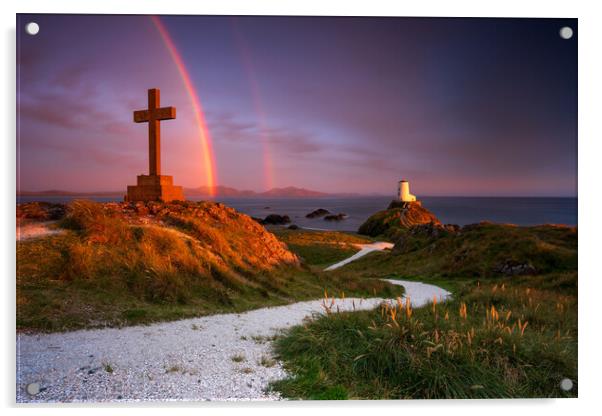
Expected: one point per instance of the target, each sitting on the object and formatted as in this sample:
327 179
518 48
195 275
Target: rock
320 212
338 217
141 209
514 268
293 227
398 217
40 211
402 204
275 219
452 228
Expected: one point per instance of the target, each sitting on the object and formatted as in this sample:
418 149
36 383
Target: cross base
155 188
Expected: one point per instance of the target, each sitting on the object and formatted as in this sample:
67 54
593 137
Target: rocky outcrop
399 216
39 211
335 217
275 219
514 268
320 212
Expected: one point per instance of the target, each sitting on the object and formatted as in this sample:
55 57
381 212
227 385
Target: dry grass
238 358
192 260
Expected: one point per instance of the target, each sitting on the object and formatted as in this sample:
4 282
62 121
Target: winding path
218 357
365 249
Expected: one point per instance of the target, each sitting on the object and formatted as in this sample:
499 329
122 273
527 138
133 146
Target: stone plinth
155 188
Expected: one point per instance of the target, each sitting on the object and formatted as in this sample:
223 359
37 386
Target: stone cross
153 116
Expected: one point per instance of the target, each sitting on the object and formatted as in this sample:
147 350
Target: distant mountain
204 191
287 192
218 191
293 192
57 192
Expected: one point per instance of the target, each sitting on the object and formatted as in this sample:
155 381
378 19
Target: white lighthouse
403 192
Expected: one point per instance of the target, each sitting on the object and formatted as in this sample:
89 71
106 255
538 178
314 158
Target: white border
590 204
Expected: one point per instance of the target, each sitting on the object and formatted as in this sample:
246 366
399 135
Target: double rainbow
203 131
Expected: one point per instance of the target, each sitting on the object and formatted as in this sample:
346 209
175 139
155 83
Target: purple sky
457 106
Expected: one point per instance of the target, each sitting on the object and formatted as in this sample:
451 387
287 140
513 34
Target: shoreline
535 211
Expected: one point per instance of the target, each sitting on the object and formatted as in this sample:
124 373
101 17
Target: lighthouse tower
403 192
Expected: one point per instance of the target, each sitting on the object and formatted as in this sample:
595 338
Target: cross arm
165 113
141 116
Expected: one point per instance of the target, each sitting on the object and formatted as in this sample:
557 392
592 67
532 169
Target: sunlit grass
201 259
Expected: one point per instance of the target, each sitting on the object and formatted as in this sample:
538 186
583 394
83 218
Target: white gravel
365 249
191 359
36 229
216 357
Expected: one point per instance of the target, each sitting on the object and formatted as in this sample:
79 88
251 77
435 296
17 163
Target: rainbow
204 136
247 63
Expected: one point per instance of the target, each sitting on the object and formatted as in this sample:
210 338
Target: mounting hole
566 32
32 28
33 388
566 384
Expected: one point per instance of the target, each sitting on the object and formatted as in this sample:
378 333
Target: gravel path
365 249
218 357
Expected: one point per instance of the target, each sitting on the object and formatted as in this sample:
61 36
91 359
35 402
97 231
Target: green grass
384 354
476 252
322 256
321 248
107 271
108 368
437 353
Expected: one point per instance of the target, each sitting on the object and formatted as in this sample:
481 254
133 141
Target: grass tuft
238 358
494 340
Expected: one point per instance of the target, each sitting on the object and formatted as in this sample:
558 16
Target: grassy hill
509 331
475 251
398 217
120 264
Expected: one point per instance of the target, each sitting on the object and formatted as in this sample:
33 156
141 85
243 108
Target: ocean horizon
450 210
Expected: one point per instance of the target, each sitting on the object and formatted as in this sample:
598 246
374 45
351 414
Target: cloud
72 101
225 126
101 155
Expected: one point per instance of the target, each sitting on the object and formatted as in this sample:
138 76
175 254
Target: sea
450 210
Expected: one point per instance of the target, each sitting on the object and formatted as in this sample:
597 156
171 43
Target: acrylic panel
287 207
